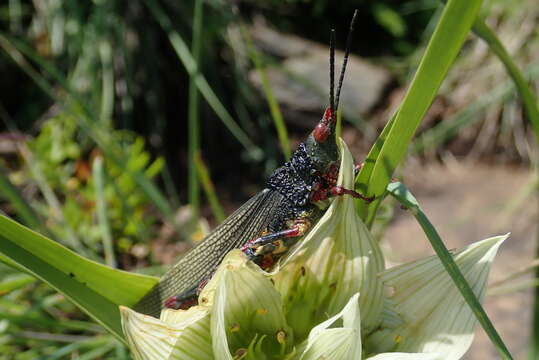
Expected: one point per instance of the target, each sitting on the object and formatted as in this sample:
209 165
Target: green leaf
209 189
193 137
529 99
455 22
95 288
15 282
406 198
275 111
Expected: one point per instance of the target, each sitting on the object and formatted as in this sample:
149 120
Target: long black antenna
345 61
332 71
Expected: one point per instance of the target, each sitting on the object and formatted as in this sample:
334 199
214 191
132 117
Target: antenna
345 61
332 71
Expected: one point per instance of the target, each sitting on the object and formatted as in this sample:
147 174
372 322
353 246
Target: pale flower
325 301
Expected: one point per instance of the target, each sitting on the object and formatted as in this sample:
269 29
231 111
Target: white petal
246 308
337 259
435 317
407 356
339 343
153 339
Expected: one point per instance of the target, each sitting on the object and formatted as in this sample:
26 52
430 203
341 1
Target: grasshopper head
321 145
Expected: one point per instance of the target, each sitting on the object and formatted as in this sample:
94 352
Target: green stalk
107 83
406 198
275 111
101 209
193 116
170 189
209 189
528 97
530 105
454 25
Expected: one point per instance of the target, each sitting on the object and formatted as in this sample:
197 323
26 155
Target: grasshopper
266 226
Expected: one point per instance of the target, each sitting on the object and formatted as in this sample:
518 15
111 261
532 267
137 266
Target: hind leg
185 299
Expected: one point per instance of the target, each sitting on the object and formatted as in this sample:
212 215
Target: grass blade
101 210
193 115
209 189
406 198
15 282
107 86
529 101
275 111
449 35
365 173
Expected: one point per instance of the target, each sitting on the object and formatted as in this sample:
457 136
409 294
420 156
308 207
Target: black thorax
294 181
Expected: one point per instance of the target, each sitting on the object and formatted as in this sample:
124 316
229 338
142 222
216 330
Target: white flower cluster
325 301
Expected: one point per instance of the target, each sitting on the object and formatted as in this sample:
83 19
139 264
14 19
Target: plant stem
193 116
529 102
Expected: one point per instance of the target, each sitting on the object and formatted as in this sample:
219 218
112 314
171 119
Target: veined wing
198 264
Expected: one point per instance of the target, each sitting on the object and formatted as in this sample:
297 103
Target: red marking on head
322 130
328 115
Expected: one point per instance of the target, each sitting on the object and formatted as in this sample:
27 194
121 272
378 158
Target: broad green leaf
455 22
95 288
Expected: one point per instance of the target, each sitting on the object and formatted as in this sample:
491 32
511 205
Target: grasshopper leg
185 299
340 191
277 242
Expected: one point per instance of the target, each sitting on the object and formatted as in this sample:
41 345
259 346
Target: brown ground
469 202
